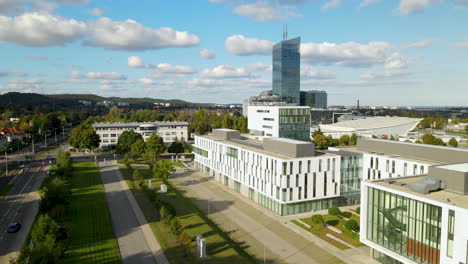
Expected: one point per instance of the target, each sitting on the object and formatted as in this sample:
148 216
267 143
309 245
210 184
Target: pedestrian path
137 243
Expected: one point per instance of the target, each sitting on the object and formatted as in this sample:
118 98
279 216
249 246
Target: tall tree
126 140
344 140
201 125
154 147
138 148
84 136
353 139
176 147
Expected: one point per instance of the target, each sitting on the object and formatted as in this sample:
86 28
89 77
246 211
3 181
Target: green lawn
321 231
91 238
220 247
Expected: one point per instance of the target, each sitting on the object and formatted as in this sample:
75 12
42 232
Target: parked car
13 227
49 157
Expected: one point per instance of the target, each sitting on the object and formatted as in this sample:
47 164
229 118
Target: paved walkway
137 243
261 234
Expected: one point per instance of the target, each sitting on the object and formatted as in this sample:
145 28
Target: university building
169 131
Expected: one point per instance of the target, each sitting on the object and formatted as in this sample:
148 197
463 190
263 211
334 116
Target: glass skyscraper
286 70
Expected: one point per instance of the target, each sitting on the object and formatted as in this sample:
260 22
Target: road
20 205
137 243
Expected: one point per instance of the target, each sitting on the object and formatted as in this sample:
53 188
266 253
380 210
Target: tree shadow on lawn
333 222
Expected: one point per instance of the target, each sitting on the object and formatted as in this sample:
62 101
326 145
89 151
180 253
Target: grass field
91 238
219 246
322 231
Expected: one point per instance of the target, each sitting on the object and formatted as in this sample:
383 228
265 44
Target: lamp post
55 131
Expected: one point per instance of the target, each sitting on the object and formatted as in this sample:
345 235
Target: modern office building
380 126
418 219
313 99
280 121
265 98
109 132
283 175
286 70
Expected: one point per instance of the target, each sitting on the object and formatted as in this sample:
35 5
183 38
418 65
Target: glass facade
286 70
295 208
294 123
405 226
382 258
314 99
351 175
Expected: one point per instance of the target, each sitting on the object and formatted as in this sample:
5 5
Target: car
13 227
49 157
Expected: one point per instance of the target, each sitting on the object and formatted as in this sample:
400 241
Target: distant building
169 131
372 127
266 98
313 99
280 121
286 70
11 134
84 102
123 104
320 116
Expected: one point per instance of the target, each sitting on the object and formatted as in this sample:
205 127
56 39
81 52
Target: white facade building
109 132
286 176
280 121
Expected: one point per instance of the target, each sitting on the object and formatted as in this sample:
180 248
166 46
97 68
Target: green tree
44 229
176 147
334 211
432 140
317 219
201 125
138 148
176 227
137 176
466 129
84 137
453 142
64 160
126 140
353 139
185 240
344 140
163 169
351 225
392 138
321 142
56 192
154 148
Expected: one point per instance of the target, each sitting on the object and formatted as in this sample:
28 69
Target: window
421 169
377 163
287 181
291 167
105 135
269 127
263 111
313 185
372 162
415 168
300 167
268 119
328 164
325 184
284 168
320 165
393 166
113 135
297 180
405 169
388 165
450 231
308 166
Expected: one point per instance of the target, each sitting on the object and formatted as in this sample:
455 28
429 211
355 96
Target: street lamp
55 131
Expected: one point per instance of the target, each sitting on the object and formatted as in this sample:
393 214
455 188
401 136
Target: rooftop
461 167
442 196
256 145
375 122
135 124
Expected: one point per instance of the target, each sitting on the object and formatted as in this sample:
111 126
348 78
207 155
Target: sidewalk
262 235
137 243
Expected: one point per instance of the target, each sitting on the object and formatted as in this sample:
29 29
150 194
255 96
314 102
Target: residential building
12 134
286 70
169 131
419 219
313 99
280 121
283 175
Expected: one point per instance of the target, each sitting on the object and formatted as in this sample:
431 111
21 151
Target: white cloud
40 29
73 2
131 35
98 75
12 73
385 75
96 11
257 67
205 83
24 85
308 72
423 43
36 57
207 54
242 46
135 62
414 6
461 44
224 72
331 4
264 11
350 54
166 70
147 80
365 3
396 61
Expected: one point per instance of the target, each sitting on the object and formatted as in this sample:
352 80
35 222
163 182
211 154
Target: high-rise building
313 99
286 70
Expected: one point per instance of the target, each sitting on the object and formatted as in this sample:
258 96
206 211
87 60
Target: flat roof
442 196
461 167
407 158
375 122
256 146
135 124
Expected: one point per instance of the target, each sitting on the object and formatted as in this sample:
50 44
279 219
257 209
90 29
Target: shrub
185 240
334 211
358 210
137 176
346 214
176 227
351 225
317 219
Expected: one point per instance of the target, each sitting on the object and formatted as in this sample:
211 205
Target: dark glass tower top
286 70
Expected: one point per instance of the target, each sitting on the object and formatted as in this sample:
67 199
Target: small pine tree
176 227
137 176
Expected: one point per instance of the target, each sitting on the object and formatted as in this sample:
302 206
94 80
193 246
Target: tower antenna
286 32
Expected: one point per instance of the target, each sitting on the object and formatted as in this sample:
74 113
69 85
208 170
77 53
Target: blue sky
405 52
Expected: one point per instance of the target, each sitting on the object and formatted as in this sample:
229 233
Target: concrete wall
456 181
446 155
293 149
